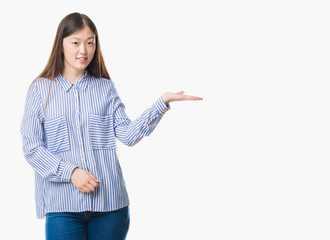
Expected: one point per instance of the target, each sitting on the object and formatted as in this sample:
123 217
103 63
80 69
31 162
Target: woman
72 116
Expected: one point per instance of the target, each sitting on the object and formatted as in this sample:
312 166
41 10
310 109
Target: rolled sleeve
67 171
161 106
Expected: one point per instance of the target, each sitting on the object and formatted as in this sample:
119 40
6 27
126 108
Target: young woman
72 116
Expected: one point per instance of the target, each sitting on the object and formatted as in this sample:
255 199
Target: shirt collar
81 83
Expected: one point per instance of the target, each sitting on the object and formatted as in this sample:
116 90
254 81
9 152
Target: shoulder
35 88
103 83
40 83
41 86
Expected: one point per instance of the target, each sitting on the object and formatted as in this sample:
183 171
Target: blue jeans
88 225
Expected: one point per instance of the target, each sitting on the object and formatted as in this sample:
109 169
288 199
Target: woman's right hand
84 181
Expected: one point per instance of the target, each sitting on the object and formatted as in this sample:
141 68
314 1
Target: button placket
87 199
78 124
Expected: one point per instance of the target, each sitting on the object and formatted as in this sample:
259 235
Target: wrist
72 174
166 101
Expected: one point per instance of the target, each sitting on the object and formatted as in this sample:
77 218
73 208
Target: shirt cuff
161 106
67 172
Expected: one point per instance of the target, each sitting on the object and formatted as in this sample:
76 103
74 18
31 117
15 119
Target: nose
82 49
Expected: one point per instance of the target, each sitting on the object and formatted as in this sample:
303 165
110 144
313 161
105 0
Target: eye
75 43
91 43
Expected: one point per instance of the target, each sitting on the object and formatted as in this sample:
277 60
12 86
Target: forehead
83 33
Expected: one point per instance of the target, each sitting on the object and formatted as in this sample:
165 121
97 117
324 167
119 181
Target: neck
73 75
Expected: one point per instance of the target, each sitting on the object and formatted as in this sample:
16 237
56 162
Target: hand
84 181
172 97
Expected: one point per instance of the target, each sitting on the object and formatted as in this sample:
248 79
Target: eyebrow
80 39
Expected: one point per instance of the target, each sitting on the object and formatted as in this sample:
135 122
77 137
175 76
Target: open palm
179 96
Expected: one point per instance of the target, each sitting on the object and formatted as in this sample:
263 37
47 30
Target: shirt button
65 180
80 144
82 160
77 111
164 110
76 95
78 127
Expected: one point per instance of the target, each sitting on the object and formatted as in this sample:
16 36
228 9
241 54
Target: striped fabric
78 128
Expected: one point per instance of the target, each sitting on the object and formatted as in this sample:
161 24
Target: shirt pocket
101 131
57 134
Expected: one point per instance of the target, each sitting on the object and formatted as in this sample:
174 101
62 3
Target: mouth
82 59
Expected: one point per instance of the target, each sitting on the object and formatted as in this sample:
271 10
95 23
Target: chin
81 67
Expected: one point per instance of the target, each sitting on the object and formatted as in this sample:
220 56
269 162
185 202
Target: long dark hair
70 24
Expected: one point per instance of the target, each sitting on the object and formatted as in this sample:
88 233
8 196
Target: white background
251 161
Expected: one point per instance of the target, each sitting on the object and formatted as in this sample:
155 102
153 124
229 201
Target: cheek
91 51
69 53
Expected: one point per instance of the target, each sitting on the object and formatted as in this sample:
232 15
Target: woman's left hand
179 96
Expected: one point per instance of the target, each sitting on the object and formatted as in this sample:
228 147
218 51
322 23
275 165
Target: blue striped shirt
78 128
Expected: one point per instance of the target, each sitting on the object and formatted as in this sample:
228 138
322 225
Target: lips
82 59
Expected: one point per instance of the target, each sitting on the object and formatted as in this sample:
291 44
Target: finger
93 183
196 98
94 178
84 189
180 93
189 97
90 187
184 98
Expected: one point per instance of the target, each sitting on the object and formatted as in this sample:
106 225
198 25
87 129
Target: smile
82 60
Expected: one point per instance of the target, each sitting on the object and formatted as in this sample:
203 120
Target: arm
131 132
46 164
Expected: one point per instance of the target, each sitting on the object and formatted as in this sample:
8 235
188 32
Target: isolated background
251 161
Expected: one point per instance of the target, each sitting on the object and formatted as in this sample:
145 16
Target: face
78 49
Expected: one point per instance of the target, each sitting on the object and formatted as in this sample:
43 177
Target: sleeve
131 132
45 163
